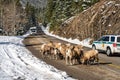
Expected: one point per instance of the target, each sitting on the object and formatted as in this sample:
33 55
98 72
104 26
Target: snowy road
16 62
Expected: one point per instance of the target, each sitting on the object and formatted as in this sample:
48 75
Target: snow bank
17 63
74 41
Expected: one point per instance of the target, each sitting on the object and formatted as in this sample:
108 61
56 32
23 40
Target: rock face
100 19
12 18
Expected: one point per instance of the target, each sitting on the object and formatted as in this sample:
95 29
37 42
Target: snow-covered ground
74 41
17 63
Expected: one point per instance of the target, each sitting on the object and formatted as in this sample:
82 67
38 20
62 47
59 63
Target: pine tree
30 14
49 11
60 10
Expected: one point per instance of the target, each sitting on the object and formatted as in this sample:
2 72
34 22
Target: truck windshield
33 30
118 39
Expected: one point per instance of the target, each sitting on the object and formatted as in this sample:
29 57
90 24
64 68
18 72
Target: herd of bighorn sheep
70 53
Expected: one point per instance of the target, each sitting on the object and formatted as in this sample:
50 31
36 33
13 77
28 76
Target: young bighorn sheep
55 53
73 53
89 56
63 48
45 50
50 50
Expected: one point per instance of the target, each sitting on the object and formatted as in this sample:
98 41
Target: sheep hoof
71 64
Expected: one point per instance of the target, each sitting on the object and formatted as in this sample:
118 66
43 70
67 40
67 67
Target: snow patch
70 40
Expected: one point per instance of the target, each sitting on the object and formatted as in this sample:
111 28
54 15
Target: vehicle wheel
93 47
108 52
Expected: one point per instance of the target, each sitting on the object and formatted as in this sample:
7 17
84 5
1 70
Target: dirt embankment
100 19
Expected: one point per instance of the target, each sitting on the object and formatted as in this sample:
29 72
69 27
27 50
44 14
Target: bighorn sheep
50 50
73 53
89 56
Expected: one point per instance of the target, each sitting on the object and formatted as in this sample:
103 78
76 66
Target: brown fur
45 50
50 50
62 50
73 53
92 54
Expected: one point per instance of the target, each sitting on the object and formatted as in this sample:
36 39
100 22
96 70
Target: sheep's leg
71 61
97 59
88 61
74 60
42 54
92 60
51 56
56 54
60 56
40 50
66 60
82 61
56 57
45 54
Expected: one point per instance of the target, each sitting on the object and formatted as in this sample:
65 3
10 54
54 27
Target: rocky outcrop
100 19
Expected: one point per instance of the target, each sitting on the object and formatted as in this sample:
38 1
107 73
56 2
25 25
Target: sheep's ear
72 47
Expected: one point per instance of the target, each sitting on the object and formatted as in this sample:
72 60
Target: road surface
108 69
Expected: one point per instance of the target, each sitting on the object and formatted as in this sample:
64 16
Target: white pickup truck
33 30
